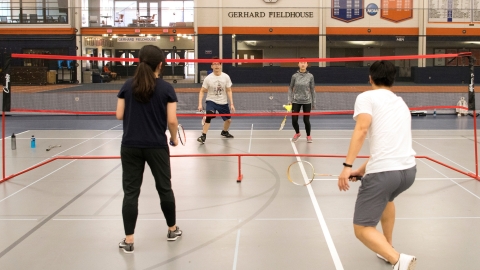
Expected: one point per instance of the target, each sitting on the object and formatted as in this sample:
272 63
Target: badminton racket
288 108
302 173
181 135
50 147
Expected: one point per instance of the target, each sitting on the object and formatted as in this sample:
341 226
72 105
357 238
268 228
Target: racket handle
171 143
359 178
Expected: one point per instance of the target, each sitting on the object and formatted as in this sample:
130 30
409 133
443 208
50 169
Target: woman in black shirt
147 105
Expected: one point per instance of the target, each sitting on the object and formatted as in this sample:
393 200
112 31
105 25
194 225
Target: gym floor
67 214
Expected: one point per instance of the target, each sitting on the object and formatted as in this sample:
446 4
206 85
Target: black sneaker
226 134
173 235
127 248
202 139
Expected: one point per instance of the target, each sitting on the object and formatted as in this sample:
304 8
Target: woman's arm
172 121
120 108
312 89
290 90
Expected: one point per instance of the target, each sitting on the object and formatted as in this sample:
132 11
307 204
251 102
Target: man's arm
230 97
172 122
364 121
200 98
120 108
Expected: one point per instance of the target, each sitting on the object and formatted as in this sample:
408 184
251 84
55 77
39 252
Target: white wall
208 14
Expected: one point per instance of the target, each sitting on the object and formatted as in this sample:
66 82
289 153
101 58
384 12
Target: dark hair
215 57
150 57
383 73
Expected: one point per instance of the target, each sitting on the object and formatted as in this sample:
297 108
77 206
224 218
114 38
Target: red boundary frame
240 175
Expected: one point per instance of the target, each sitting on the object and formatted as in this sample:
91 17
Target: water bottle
14 141
434 112
32 142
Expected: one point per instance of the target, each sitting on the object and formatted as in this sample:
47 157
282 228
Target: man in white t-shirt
389 171
218 87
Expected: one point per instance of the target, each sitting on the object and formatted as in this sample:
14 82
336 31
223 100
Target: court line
120 191
237 243
442 156
286 219
251 135
232 219
323 138
420 218
34 229
236 137
18 219
16 192
328 238
475 195
143 219
416 179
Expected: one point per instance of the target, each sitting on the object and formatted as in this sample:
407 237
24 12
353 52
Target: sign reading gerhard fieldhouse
271 14
136 39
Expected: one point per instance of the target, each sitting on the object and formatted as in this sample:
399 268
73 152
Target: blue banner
348 10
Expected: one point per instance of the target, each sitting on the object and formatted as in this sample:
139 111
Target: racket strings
181 135
303 173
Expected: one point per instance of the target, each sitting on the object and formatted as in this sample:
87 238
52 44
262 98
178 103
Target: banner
348 10
396 10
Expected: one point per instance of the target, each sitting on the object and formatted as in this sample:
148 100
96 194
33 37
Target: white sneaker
405 262
381 257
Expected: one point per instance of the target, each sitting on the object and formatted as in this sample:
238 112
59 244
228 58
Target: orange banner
396 10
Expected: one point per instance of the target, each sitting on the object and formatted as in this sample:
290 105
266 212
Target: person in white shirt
218 87
389 171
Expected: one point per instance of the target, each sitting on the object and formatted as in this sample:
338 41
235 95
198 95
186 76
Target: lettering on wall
272 14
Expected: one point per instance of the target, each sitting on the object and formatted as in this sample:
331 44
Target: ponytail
144 79
143 83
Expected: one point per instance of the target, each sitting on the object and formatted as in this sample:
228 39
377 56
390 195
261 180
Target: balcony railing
34 16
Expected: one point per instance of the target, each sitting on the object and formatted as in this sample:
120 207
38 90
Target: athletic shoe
226 134
295 137
309 139
173 235
383 258
405 262
202 139
127 248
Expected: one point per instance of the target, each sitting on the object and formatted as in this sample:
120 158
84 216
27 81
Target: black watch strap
347 165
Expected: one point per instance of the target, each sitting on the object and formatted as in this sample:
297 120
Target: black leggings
133 165
306 118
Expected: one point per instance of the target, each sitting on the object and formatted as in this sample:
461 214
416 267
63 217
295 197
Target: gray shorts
376 191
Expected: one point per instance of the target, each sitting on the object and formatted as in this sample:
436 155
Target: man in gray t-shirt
218 87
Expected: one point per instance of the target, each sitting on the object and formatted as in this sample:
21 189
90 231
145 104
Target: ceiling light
362 42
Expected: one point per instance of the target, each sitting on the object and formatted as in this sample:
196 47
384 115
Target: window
5 10
85 15
129 11
176 11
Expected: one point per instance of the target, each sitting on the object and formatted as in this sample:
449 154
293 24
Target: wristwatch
347 165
